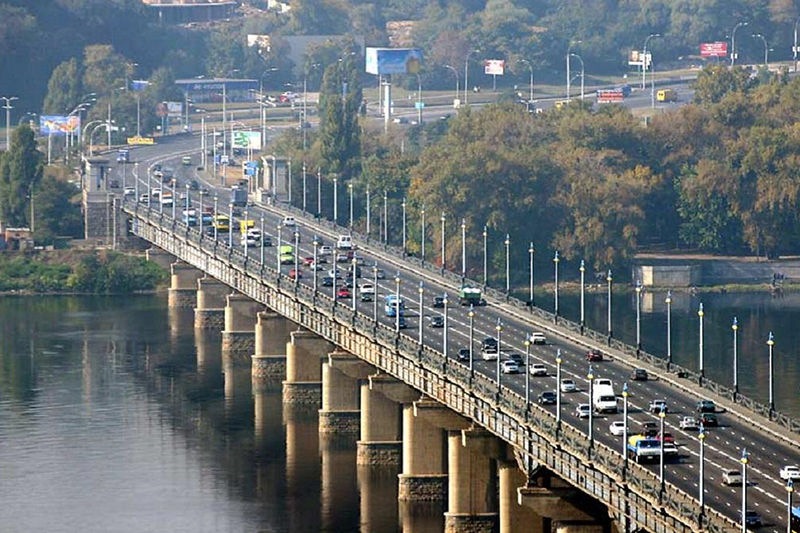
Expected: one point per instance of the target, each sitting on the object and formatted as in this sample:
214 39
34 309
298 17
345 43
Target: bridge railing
591 336
488 400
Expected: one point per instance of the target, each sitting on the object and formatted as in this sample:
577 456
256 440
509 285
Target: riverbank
79 272
572 287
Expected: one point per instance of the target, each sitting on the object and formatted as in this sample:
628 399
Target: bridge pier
579 527
424 475
558 502
272 333
160 257
380 443
304 354
238 337
183 284
514 516
472 488
303 467
211 301
340 413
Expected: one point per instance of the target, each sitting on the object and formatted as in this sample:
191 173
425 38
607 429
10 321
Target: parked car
732 477
706 406
509 367
656 406
617 427
538 338
547 397
309 260
538 369
594 356
689 423
568 385
790 472
639 374
583 410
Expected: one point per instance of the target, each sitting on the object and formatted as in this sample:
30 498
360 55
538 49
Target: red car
594 356
667 437
344 292
297 273
308 261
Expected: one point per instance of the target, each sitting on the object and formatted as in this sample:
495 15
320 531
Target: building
200 90
183 11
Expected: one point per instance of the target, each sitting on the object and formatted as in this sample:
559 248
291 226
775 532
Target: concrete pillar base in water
211 319
268 367
578 527
514 516
380 442
303 393
183 285
340 411
238 337
304 355
211 301
378 453
422 487
470 523
273 332
472 488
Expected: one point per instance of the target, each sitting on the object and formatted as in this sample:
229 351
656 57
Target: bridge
461 429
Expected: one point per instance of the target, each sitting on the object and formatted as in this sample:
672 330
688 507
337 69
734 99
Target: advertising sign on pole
610 96
383 61
494 67
637 58
59 125
247 140
141 140
717 49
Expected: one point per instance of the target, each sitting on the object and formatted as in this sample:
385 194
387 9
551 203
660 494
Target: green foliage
23 273
115 273
57 211
64 89
716 81
20 172
339 137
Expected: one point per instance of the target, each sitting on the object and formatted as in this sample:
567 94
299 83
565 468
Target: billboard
146 141
637 58
610 96
382 61
59 125
260 41
139 85
169 109
247 140
717 49
494 67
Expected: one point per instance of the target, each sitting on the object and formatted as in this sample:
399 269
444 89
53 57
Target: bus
795 523
392 304
286 254
245 225
222 223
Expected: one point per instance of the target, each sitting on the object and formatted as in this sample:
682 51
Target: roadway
766 491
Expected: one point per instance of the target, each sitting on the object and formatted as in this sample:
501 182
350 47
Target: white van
604 400
345 242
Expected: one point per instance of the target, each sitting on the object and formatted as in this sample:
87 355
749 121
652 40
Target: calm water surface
115 417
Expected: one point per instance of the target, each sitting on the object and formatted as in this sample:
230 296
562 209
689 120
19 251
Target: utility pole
8 107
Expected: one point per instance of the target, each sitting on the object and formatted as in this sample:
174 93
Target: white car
249 240
568 385
732 477
790 472
289 221
689 423
538 338
538 369
367 292
325 250
344 242
130 191
583 410
617 428
510 367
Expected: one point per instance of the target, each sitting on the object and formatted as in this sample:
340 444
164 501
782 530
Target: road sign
716 49
419 105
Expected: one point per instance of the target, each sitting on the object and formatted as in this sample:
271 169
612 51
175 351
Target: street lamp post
766 48
466 75
609 279
583 294
662 415
590 377
397 302
569 74
443 218
386 215
485 257
668 301
644 59
403 208
530 96
455 73
733 41
744 460
499 329
795 49
771 345
531 296
297 258
444 333
261 243
556 260
638 316
735 328
527 344
463 249
336 200
422 232
625 395
230 223
369 212
558 387
375 296
350 190
421 307
507 243
319 193
278 251
316 264
353 298
701 436
583 71
701 363
305 189
215 223
8 107
789 492
471 337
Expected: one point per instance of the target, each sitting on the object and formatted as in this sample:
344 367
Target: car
327 281
144 199
186 161
649 429
463 354
289 221
129 191
438 302
594 356
248 240
360 261
366 291
344 242
617 428
667 437
583 410
639 374
343 292
790 472
517 358
689 423
732 477
325 250
308 260
670 449
436 321
568 385
706 406
295 273
708 419
380 274
335 273
344 257
751 518
193 185
538 369
547 397
509 367
538 338
656 406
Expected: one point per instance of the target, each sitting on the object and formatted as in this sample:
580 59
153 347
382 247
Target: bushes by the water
22 273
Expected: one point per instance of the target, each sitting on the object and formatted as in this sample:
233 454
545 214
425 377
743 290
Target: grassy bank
574 288
89 272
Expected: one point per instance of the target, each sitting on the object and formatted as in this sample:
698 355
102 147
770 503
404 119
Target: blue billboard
58 125
382 61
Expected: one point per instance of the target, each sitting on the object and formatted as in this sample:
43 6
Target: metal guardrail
590 335
595 468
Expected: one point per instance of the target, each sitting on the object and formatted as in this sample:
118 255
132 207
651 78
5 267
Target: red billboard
610 96
717 49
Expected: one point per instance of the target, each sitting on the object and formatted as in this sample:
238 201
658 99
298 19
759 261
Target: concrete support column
579 527
340 411
380 429
513 516
209 312
302 468
183 284
238 337
304 355
472 487
338 482
160 257
424 476
272 333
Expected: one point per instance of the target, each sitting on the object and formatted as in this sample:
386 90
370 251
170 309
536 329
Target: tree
339 137
715 81
20 172
104 70
56 214
65 88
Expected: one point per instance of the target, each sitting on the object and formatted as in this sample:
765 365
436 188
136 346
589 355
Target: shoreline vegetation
574 287
71 272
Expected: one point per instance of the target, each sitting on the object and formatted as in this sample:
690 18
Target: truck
124 156
469 296
246 225
667 95
392 304
604 400
239 195
190 217
222 223
286 254
643 449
